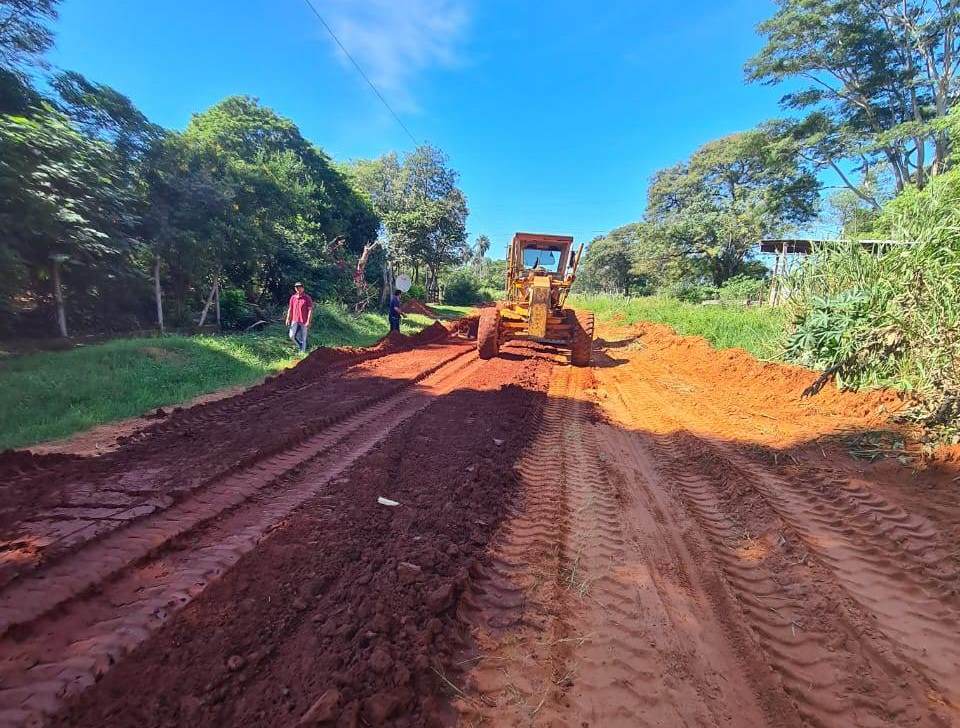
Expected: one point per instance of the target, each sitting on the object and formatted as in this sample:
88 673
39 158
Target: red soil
673 536
350 606
412 305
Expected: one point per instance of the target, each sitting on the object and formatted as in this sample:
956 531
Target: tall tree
422 207
610 262
25 33
60 195
877 73
480 249
712 209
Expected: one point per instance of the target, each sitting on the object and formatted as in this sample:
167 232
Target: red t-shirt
300 305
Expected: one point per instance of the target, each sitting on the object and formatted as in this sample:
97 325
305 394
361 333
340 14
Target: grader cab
540 271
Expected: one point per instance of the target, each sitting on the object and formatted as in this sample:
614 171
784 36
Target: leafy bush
742 288
235 311
689 292
888 316
463 288
418 292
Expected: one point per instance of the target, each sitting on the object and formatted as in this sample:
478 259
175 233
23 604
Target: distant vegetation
757 330
238 199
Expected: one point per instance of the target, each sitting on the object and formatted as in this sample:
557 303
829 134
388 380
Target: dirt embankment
54 503
412 305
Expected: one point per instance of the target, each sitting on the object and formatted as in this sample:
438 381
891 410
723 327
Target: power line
360 71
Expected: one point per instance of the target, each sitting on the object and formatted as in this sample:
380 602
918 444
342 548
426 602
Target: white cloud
396 40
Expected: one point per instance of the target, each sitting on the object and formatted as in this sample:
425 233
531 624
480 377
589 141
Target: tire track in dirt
52 505
830 659
345 614
895 566
574 627
52 657
30 596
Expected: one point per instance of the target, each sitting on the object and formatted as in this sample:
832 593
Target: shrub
742 288
418 292
886 316
235 311
463 288
689 292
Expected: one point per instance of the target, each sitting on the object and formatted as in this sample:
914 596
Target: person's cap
298 284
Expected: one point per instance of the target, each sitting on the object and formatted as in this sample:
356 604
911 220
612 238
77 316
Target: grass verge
51 395
759 330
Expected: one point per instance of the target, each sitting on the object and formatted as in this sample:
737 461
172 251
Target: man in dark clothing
395 312
299 313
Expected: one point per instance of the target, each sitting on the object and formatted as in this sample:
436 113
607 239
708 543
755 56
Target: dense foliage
149 221
890 314
423 210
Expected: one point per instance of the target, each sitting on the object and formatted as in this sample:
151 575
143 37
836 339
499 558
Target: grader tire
581 337
488 331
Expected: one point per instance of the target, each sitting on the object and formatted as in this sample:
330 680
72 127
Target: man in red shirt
299 313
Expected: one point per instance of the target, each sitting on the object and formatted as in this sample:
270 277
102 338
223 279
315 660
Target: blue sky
555 114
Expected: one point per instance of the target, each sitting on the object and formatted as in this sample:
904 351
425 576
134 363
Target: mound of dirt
193 445
414 306
395 341
762 381
466 326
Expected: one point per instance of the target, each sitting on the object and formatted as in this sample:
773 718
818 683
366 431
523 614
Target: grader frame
540 270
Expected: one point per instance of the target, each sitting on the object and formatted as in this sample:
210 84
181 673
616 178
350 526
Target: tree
707 213
60 194
878 73
423 211
610 263
25 33
104 113
480 249
293 215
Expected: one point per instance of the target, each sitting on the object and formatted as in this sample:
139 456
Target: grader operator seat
540 271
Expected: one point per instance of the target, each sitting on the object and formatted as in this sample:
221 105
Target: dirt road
670 537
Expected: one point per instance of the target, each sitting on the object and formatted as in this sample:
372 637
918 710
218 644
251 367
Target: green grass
759 330
52 395
449 311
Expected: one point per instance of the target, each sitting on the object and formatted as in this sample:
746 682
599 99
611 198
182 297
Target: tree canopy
877 76
424 212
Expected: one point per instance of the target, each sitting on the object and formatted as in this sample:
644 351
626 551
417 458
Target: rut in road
144 573
599 629
347 604
881 581
655 576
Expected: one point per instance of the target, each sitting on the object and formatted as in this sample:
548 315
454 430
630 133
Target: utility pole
57 259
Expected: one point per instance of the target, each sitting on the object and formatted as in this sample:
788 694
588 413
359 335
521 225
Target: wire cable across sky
361 72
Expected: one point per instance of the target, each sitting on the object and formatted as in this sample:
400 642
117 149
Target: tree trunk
358 275
213 291
157 292
58 297
387 285
217 301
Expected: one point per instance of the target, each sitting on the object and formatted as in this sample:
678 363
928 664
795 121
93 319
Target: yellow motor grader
540 271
